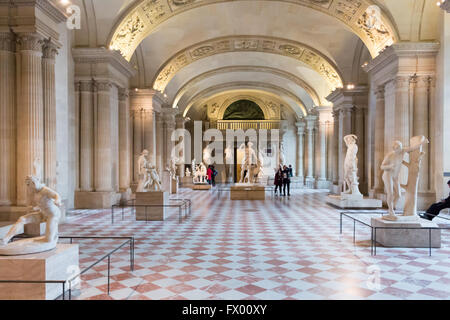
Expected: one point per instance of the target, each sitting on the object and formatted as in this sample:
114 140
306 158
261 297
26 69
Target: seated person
436 208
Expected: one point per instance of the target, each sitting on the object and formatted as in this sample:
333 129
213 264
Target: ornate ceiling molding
298 51
146 15
283 74
301 110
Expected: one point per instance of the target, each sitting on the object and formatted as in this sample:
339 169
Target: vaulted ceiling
305 48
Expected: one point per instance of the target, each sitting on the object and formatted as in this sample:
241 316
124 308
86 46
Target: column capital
124 94
102 85
30 42
300 128
311 121
49 49
7 41
379 92
85 86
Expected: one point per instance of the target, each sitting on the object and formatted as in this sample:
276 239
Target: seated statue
46 203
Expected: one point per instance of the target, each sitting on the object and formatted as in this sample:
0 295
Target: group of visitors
282 181
211 174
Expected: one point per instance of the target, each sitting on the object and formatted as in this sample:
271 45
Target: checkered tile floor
233 250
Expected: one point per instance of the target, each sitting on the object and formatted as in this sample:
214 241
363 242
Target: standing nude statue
391 166
248 161
351 166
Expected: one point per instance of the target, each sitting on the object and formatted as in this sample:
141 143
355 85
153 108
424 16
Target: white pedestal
247 192
201 186
349 202
152 213
61 263
407 238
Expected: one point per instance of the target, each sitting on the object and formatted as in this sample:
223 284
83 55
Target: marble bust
45 203
351 167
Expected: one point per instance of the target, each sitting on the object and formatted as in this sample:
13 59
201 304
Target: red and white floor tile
233 250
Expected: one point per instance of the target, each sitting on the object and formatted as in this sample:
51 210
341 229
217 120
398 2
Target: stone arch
139 21
236 98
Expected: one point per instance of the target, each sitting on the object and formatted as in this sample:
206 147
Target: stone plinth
59 264
173 186
186 182
248 192
412 238
201 186
96 200
354 202
154 198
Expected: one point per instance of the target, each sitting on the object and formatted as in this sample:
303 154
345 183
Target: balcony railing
247 124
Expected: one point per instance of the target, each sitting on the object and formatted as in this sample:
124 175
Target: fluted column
48 73
379 139
150 134
86 136
104 156
310 126
335 154
159 142
30 113
301 151
124 140
7 121
360 120
169 128
322 172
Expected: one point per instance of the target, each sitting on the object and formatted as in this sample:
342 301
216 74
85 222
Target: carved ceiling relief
146 16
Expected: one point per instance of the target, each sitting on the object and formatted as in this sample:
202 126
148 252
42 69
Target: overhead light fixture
350 86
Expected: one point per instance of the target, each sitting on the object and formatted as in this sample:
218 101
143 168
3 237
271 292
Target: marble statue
351 166
45 203
173 168
229 160
249 161
148 177
207 155
188 172
200 174
282 154
392 165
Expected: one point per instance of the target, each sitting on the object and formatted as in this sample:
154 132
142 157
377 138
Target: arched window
243 110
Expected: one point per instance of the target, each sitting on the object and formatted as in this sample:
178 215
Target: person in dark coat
278 181
436 208
286 181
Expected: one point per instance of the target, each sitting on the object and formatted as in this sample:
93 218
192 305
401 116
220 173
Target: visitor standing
209 174
278 180
286 181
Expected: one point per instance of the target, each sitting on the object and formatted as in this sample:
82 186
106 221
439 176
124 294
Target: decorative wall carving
146 15
283 47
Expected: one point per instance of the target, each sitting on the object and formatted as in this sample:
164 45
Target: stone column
360 116
103 150
150 134
335 154
169 128
7 121
310 126
124 140
301 151
322 172
86 136
48 71
30 113
159 142
138 138
379 140
180 124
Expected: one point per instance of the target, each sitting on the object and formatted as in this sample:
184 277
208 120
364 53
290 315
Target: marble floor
273 249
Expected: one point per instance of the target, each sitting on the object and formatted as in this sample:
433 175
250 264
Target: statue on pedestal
187 172
229 159
249 161
282 154
45 203
351 166
391 177
148 177
207 155
200 174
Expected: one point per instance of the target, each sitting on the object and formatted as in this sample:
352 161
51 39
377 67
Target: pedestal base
349 203
96 200
186 182
407 238
155 199
58 264
247 192
201 186
173 186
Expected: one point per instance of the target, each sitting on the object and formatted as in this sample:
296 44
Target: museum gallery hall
224 150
